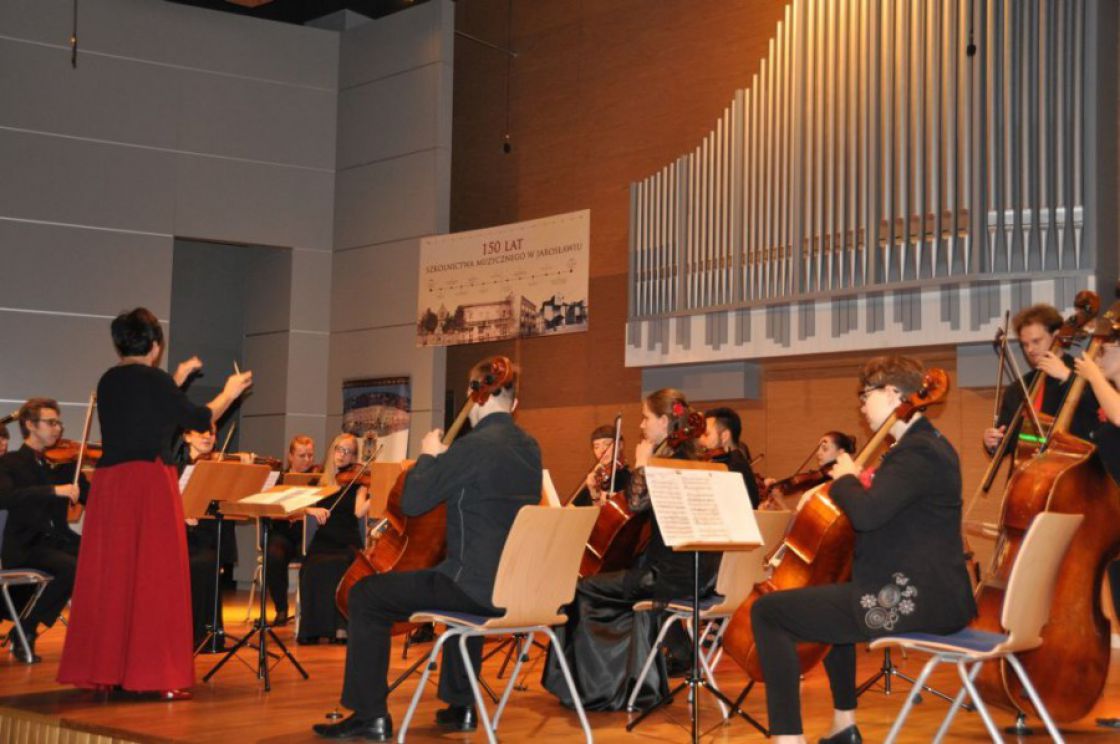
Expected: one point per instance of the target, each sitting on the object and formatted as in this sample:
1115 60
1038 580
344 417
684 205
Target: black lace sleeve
637 494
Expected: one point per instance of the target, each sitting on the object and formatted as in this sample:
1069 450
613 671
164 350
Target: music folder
208 481
701 508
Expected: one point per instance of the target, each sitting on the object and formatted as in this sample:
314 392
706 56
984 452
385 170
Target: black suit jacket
1084 420
909 569
738 461
484 479
36 516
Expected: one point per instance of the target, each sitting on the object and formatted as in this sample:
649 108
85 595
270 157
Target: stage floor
233 706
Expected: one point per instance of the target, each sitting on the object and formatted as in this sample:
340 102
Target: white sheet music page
702 506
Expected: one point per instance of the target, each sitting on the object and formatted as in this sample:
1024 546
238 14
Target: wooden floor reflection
234 708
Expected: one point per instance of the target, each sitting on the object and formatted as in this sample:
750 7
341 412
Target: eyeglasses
50 422
867 391
340 450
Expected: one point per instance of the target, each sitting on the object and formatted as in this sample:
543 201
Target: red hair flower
678 408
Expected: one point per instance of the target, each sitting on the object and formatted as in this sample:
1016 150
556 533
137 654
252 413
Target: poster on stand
381 405
519 280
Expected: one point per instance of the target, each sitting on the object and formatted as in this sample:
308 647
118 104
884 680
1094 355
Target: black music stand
215 640
262 629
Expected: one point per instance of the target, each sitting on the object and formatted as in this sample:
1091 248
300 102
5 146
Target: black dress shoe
353 727
281 618
457 718
849 735
21 655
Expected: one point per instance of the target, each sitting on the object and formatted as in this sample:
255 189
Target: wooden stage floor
233 707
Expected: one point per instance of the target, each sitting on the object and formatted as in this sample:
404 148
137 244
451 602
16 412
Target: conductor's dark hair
727 420
134 332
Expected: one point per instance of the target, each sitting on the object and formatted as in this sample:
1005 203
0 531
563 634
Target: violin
66 451
603 473
249 458
347 477
713 454
802 481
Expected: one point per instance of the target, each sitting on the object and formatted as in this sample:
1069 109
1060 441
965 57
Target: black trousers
202 563
376 602
281 551
61 562
782 619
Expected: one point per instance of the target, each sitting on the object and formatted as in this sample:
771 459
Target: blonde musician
285 539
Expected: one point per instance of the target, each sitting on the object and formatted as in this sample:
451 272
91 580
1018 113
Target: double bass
818 547
1070 668
412 543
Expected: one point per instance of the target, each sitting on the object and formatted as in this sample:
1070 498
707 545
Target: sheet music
292 498
550 495
702 506
185 477
272 479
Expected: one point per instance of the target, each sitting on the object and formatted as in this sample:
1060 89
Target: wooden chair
536 577
1026 609
739 571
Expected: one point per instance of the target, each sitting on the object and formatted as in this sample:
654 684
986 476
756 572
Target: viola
819 545
1070 668
412 543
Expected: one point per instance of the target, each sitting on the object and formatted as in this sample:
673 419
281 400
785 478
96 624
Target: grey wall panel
398 42
85 183
265 435
59 356
267 357
387 117
88 271
311 290
173 34
307 372
385 352
258 120
268 292
235 201
312 426
375 286
388 200
106 98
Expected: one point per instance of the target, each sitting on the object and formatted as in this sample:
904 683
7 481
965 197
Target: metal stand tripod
215 640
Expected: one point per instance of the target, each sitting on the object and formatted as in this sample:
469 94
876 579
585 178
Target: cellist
908 573
1035 329
602 447
484 478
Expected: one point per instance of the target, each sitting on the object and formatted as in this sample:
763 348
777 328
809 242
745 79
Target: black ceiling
302 11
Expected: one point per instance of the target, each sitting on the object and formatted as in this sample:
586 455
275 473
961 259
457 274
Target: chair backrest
740 570
1026 606
540 564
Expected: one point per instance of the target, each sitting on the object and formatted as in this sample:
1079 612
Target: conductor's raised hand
237 384
187 368
432 444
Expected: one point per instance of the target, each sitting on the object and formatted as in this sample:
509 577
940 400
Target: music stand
695 680
209 484
265 506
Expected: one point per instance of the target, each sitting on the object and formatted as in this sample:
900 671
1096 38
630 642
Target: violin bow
85 437
365 466
614 448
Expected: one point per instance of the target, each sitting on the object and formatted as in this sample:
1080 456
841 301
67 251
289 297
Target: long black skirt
606 644
318 580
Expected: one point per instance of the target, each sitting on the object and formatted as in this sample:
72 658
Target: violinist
605 642
597 484
36 494
202 542
908 572
831 444
1035 327
333 547
130 621
1103 375
285 539
722 430
484 478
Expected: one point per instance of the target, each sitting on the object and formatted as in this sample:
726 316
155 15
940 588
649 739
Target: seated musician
202 543
908 573
602 446
605 642
1104 377
484 478
285 539
831 444
37 535
5 439
721 438
1035 328
334 545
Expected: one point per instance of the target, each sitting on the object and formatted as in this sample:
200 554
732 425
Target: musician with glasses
36 495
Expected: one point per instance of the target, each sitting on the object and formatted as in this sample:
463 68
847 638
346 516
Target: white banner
525 279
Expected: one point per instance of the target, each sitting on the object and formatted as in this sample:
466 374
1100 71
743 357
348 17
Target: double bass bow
1070 668
818 546
411 543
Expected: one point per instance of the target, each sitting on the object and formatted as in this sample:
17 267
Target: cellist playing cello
484 478
908 573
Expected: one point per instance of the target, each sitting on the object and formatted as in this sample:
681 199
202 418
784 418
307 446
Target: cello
1070 668
819 544
412 543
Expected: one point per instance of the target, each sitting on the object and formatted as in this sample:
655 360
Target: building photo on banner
524 279
380 405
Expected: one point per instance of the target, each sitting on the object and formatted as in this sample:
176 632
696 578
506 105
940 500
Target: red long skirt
130 615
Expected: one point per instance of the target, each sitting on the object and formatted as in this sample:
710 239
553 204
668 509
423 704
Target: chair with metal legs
536 577
1026 609
10 577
